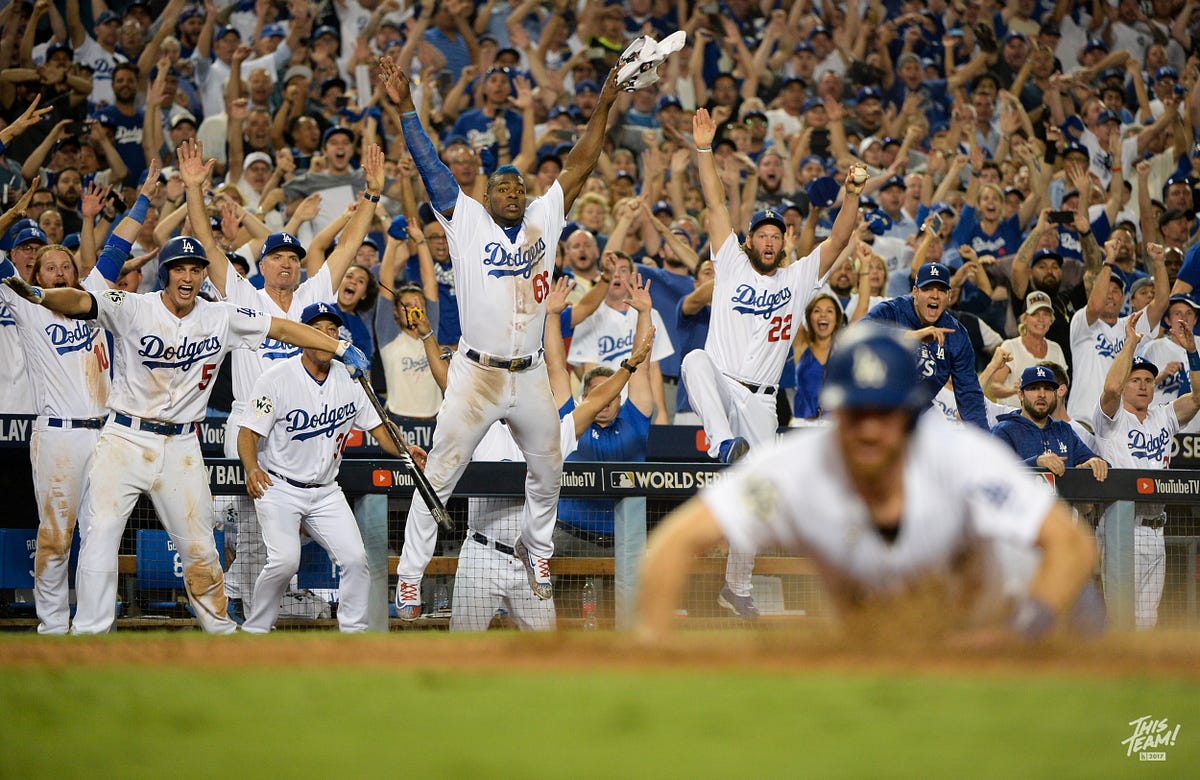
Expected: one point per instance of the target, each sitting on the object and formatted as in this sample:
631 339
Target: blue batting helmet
277 241
178 250
873 367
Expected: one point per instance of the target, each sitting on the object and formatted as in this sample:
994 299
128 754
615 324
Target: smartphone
935 224
1061 217
341 101
445 81
77 129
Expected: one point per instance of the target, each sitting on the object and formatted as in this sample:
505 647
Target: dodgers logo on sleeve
249 312
515 263
748 300
307 425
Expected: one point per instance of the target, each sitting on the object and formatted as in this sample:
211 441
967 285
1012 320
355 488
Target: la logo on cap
187 246
869 370
1041 371
287 239
933 271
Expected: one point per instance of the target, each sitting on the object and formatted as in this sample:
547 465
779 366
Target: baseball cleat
537 569
733 450
408 600
742 606
236 611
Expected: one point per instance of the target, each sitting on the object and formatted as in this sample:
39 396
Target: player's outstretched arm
196 173
120 241
307 337
704 130
257 480
846 220
1118 372
687 532
552 341
583 156
64 300
439 181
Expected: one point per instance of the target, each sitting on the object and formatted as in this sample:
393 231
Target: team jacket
953 360
1031 442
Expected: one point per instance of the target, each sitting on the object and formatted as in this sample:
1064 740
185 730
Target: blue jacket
1031 442
953 360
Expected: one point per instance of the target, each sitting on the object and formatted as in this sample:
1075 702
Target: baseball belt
508 364
92 423
294 483
486 542
150 426
1154 521
756 389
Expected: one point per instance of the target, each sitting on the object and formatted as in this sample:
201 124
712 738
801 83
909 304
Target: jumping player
503 256
887 499
290 442
756 307
168 347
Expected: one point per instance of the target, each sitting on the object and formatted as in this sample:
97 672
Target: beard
1037 416
758 264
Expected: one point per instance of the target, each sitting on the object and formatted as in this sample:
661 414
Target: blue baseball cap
334 130
1107 116
873 366
1075 146
1038 375
30 234
108 16
662 207
325 29
315 311
587 86
273 31
226 30
71 241
1166 72
6 241
189 12
1044 254
790 80
1016 35
893 181
942 207
810 104
933 273
822 191
1141 364
1095 44
279 241
804 46
819 30
767 217
867 93
878 222
667 101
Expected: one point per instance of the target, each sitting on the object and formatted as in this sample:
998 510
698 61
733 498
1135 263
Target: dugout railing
380 490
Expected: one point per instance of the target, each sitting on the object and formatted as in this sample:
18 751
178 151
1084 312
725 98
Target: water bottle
441 598
589 605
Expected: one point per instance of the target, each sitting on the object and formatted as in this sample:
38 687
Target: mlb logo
621 479
381 478
1145 485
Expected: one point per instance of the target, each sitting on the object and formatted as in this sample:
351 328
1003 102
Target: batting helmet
873 367
178 250
277 241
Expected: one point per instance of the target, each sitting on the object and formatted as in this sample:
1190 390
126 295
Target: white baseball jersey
1093 349
502 283
754 317
67 359
960 486
16 391
248 365
606 338
164 365
305 422
1161 352
1129 443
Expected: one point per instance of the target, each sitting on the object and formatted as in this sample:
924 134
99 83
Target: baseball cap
933 273
1166 72
273 31
226 30
334 130
1182 298
254 157
1112 73
108 16
1107 116
790 80
1044 254
822 191
278 241
1016 35
767 217
1076 147
662 207
66 141
624 174
71 240
1141 364
878 222
893 181
325 30
1038 300
818 30
1095 44
1050 28
810 104
587 86
330 83
804 46
1037 375
867 93
908 57
755 111
56 47
181 117
668 101
302 71
189 12
942 207
315 311
873 367
1144 281
30 234
372 242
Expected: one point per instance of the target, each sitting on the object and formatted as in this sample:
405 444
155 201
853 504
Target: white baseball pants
250 554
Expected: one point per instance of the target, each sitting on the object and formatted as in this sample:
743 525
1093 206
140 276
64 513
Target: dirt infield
1162 654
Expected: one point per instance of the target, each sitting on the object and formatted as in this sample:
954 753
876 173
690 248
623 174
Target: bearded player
756 307
888 500
503 256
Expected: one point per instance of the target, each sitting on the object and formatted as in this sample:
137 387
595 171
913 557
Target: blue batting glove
399 228
356 362
29 292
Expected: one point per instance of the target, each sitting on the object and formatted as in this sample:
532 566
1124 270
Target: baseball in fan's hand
858 175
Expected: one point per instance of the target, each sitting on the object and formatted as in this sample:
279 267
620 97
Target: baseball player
904 498
757 305
168 347
1132 434
503 255
290 442
69 366
16 391
283 295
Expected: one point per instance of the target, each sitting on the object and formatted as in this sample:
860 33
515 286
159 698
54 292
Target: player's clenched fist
257 482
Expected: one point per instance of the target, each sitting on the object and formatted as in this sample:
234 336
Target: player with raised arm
907 502
283 295
290 442
757 304
167 349
503 256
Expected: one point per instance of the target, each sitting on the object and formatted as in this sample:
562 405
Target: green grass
343 723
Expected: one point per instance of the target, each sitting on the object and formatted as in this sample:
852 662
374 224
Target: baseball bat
436 507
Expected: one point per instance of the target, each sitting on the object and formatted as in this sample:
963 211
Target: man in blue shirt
1039 439
476 125
946 352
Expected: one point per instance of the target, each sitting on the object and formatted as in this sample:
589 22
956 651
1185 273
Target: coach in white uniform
1132 434
901 497
756 308
301 413
503 256
168 347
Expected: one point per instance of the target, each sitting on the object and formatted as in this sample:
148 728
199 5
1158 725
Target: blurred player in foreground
906 501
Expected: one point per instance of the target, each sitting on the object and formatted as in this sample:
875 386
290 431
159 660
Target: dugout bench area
379 490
